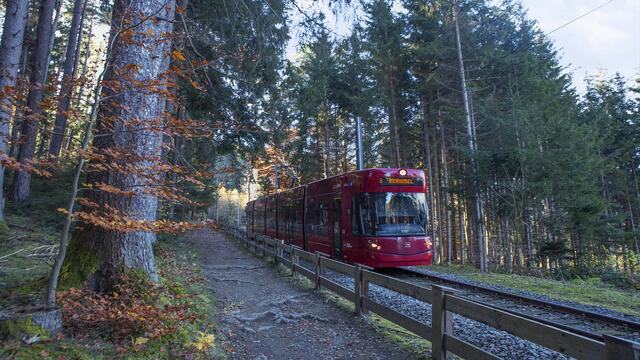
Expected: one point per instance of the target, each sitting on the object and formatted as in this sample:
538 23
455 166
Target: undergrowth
139 320
29 240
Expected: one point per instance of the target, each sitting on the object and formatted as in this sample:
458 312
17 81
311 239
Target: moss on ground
590 291
17 328
406 339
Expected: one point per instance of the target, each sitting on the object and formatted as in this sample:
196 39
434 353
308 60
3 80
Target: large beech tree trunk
34 113
66 90
10 51
133 81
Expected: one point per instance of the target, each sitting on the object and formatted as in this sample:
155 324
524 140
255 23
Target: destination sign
391 181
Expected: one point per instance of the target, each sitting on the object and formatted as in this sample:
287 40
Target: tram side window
283 218
319 219
258 218
323 226
296 213
271 217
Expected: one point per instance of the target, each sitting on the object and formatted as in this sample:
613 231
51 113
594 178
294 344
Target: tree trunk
128 128
52 33
632 223
66 90
20 103
438 199
507 243
427 158
326 141
83 74
473 149
34 113
461 224
393 119
445 192
10 53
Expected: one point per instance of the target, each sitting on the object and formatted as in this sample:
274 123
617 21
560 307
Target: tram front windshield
389 214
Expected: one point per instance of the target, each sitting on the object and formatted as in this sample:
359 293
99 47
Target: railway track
581 321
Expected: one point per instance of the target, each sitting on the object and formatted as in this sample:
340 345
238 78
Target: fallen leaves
177 55
128 315
204 342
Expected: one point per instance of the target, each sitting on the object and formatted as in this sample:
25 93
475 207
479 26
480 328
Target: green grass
27 252
29 238
405 338
585 291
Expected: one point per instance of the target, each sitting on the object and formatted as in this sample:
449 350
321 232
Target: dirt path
265 316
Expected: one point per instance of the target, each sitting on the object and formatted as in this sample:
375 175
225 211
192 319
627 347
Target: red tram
375 217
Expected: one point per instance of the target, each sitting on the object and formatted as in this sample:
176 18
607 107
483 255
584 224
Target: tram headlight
374 245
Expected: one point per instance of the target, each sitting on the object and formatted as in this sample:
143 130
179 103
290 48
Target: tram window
389 214
318 219
297 216
323 219
271 217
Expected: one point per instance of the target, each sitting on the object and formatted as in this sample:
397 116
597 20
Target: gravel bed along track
499 343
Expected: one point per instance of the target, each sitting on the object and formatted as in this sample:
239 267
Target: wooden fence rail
444 303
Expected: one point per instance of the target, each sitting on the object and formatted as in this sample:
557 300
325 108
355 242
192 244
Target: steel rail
590 315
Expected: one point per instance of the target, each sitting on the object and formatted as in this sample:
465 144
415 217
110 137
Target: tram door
337 239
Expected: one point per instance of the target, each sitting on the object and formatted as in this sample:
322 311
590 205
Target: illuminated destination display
400 181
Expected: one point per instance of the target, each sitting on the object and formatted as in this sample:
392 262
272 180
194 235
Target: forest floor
591 291
168 321
264 314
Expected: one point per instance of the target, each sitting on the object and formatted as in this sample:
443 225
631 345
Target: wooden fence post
364 292
357 286
281 252
441 323
618 348
295 260
317 270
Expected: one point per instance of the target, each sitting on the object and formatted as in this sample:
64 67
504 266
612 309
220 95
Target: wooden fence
444 302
